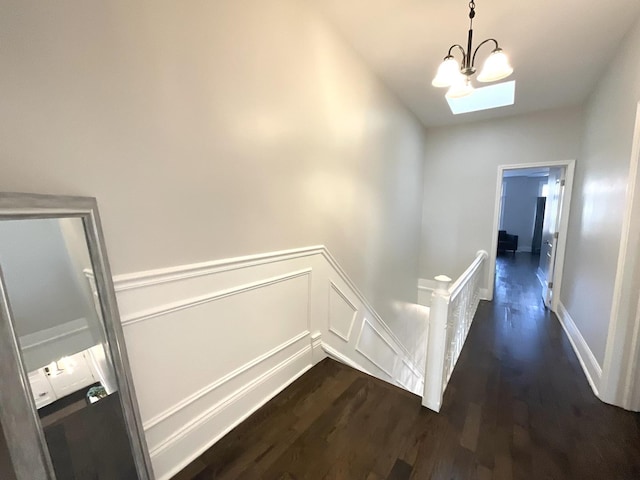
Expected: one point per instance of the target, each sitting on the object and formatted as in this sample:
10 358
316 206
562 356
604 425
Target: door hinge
556 235
550 285
562 183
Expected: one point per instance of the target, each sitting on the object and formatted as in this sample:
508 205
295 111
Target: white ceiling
558 48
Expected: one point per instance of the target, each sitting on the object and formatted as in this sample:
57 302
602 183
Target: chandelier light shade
457 76
496 67
460 88
448 73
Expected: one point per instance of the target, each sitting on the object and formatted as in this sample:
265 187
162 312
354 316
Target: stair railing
453 306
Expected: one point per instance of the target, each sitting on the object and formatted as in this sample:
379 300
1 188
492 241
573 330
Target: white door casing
550 232
561 242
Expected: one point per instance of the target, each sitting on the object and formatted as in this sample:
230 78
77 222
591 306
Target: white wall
600 197
460 179
210 130
520 199
213 129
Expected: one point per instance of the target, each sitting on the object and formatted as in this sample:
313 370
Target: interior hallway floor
518 406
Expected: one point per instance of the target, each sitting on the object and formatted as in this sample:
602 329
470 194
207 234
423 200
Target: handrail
454 289
453 306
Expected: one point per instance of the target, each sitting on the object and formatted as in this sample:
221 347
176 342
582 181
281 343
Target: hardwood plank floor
518 407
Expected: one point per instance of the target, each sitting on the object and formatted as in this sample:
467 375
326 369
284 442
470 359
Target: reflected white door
550 233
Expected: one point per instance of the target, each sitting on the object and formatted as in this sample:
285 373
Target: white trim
336 355
222 405
183 425
375 330
164 275
316 339
221 381
587 359
364 301
564 223
620 374
171 274
332 329
415 372
150 278
318 354
202 299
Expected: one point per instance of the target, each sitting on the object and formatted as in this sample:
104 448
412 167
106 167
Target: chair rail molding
232 333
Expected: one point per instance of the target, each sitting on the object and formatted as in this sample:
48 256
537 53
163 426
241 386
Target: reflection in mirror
58 323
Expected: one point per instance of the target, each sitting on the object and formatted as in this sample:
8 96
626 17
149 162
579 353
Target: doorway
531 218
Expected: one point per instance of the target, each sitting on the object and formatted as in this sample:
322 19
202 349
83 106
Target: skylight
484 98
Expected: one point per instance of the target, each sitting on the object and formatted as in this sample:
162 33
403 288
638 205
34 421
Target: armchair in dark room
507 241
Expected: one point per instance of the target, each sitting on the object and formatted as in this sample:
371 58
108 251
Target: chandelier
458 78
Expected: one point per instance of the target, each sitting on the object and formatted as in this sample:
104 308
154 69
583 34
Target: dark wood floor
518 407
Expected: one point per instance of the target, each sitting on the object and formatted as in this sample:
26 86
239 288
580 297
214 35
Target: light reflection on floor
518 300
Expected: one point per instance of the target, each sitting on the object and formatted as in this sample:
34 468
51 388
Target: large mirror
67 404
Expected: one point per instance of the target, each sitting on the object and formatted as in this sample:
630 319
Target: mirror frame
18 412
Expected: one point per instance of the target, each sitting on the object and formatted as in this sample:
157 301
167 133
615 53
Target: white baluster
437 347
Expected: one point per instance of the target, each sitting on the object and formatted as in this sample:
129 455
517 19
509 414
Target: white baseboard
591 367
198 436
336 355
318 353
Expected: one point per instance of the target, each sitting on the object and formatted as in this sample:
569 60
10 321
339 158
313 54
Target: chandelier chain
472 12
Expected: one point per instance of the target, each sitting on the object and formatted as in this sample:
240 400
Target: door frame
549 293
570 166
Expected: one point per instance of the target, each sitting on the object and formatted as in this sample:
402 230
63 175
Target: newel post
436 348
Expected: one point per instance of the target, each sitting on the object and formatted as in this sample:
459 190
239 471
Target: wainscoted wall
210 343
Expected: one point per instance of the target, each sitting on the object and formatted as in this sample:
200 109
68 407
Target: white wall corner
591 367
318 354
